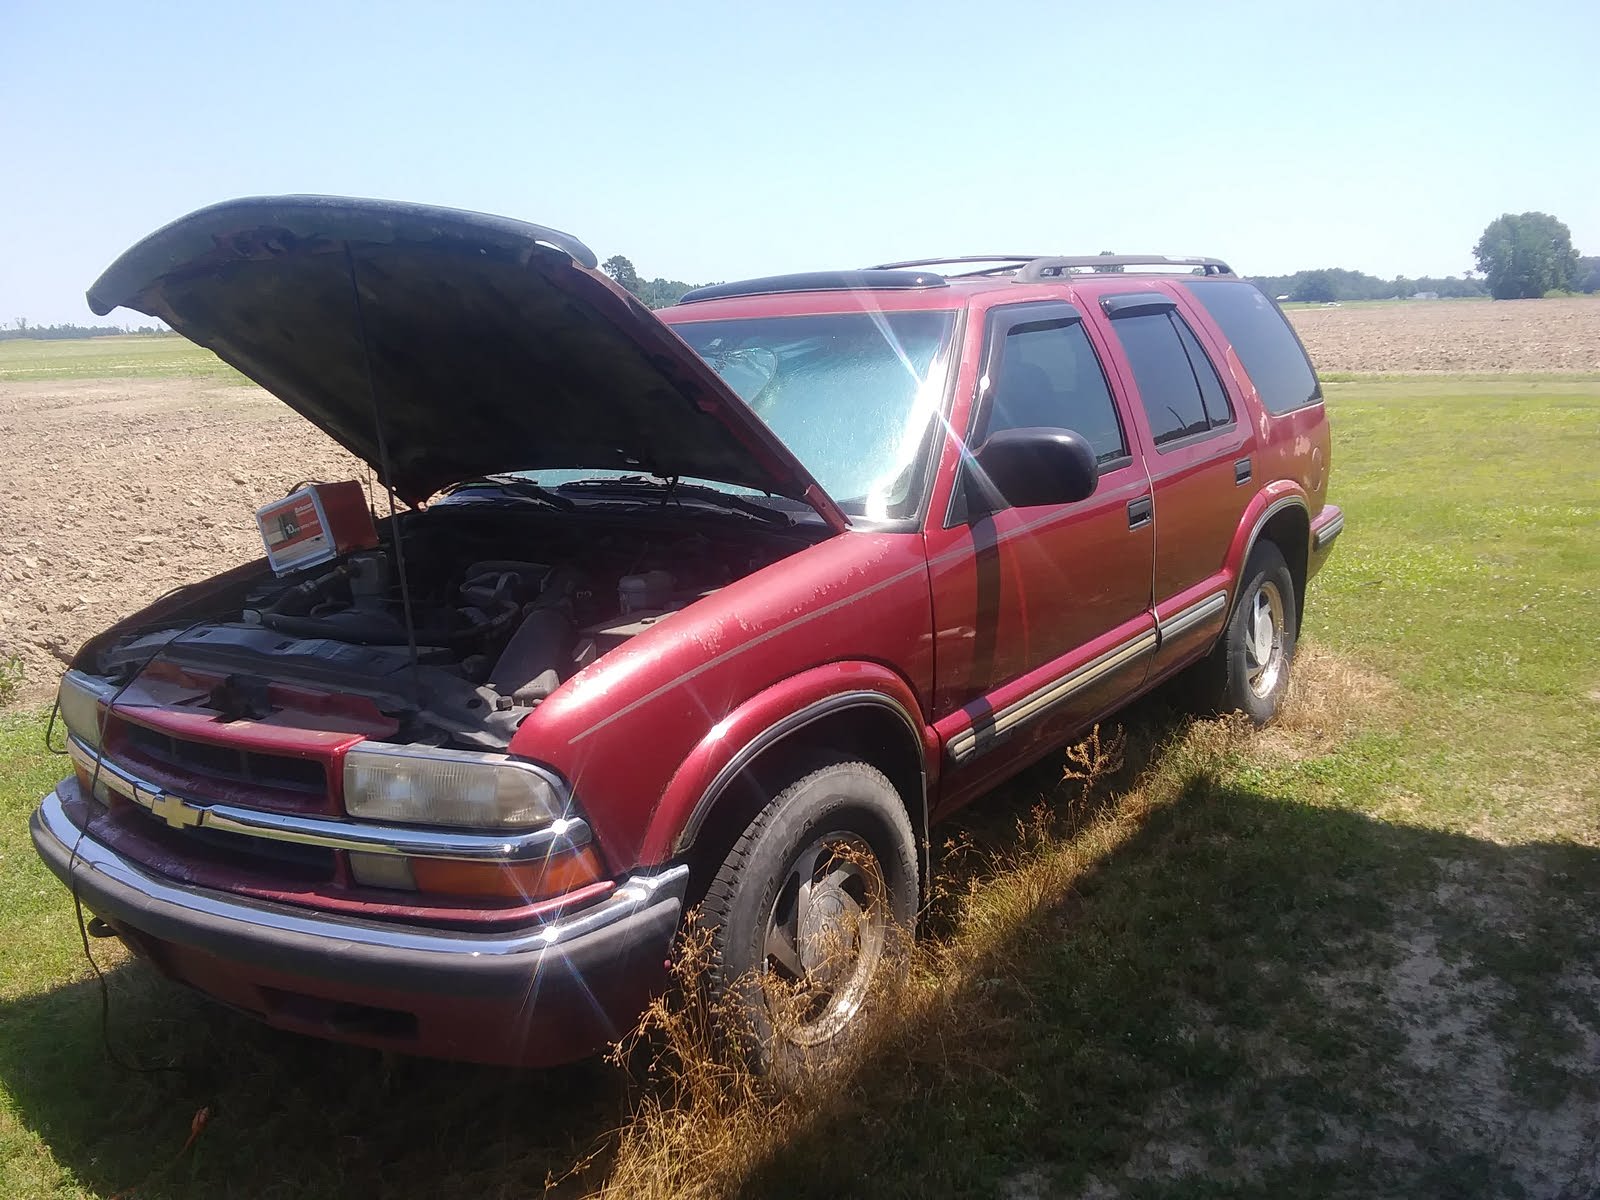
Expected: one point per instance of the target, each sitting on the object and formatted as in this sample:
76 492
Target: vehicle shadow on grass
1250 995
289 1116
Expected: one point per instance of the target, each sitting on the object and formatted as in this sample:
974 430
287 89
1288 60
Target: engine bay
505 605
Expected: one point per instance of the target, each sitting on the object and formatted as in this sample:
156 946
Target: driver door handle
1140 512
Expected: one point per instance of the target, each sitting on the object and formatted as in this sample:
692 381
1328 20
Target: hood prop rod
388 476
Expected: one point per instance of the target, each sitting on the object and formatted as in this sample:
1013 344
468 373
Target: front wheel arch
871 731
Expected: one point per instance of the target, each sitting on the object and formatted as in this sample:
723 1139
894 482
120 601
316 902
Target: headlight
425 786
79 700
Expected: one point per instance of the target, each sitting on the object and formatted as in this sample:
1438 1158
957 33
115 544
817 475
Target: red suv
719 607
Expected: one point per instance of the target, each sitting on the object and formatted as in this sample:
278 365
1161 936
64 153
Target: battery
314 524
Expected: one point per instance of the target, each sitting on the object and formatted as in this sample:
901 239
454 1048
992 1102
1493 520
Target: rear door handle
1241 470
1140 512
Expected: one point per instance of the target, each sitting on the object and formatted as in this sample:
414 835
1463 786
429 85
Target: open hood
493 345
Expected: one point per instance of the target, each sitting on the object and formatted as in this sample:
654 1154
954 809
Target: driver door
1043 614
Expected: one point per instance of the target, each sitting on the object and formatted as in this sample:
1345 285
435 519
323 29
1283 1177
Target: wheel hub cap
824 937
1264 639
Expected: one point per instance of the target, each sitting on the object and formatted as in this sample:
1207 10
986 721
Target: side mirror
1027 467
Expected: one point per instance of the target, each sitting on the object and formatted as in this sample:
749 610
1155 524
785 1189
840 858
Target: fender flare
1269 502
768 718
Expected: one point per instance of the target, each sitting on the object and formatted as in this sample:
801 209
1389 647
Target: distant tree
1316 287
1588 275
662 293
1526 255
622 272
1110 269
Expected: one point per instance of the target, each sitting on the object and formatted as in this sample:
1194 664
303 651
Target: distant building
1424 295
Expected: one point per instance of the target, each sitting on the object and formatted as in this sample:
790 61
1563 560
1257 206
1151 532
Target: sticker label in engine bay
293 532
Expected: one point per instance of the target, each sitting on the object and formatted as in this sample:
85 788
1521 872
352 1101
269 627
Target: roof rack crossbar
870 279
957 259
1055 266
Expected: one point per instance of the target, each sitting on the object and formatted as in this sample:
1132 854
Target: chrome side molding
971 741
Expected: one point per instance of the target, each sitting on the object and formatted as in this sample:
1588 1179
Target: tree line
21 328
1328 284
655 293
1519 256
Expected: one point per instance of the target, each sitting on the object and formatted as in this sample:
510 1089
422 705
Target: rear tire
816 899
1248 671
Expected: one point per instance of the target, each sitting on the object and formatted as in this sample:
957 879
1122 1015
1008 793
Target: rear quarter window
1264 341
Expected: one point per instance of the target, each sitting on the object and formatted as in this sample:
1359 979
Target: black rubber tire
1222 680
832 795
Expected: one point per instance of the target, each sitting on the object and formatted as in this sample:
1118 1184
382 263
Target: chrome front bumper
327 944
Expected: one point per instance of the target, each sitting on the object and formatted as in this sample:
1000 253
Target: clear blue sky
713 141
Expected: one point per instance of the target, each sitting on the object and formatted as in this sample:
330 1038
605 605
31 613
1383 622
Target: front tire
813 903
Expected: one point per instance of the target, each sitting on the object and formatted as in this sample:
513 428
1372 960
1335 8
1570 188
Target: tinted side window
1164 376
1212 393
1264 341
1049 378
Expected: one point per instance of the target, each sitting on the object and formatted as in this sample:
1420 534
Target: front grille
225 762
286 861
316 860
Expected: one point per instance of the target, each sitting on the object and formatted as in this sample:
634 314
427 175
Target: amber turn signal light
535 880
538 879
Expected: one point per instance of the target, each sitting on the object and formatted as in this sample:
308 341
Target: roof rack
957 260
871 279
1041 269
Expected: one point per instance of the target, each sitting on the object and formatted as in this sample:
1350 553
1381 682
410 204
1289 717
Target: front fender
646 719
764 720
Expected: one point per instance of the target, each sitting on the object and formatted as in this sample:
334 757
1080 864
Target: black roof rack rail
1041 269
871 279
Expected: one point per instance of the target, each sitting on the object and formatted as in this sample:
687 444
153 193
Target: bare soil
1454 336
115 491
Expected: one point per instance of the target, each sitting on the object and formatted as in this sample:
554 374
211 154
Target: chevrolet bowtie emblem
171 809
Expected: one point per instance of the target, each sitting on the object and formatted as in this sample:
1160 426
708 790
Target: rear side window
1177 384
1212 393
1049 378
1264 341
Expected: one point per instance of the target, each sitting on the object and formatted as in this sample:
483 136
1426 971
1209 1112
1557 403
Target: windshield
852 395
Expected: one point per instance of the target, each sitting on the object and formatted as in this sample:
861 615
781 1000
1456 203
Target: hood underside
479 344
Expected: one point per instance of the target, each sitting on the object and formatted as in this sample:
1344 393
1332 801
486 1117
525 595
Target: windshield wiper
666 491
516 485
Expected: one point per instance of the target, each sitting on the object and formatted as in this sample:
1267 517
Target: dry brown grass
705 1123
1330 696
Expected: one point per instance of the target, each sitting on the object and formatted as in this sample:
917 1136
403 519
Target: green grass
1351 957
142 356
